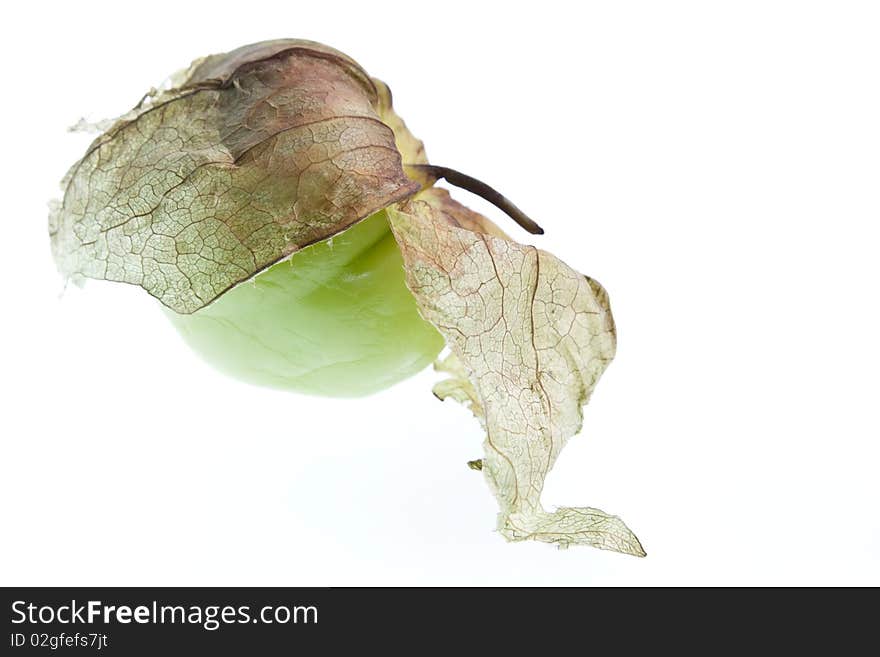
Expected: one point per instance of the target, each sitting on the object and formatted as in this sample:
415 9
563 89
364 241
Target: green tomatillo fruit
334 319
274 203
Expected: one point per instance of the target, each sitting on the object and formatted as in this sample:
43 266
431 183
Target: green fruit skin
336 319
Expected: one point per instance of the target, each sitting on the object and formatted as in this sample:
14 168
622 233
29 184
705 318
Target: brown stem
480 188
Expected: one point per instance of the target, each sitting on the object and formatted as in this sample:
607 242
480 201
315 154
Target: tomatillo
334 319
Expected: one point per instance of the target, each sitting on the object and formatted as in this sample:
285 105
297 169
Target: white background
714 165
